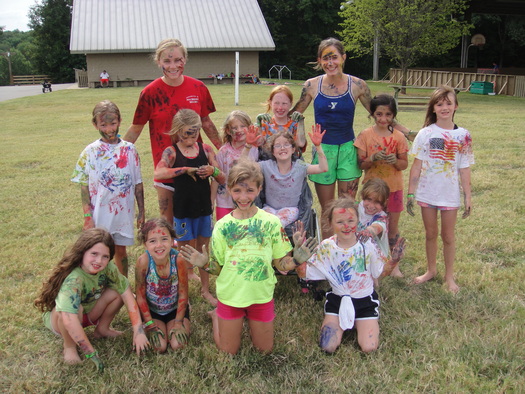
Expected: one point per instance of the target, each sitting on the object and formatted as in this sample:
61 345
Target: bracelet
87 215
248 146
95 353
179 321
410 195
148 323
216 172
207 269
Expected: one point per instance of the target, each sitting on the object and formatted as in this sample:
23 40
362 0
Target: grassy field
431 340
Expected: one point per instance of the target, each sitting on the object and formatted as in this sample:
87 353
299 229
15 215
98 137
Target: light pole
7 55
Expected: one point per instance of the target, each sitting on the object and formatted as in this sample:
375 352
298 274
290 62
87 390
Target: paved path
13 92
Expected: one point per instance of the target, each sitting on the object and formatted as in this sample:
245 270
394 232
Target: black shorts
365 308
170 316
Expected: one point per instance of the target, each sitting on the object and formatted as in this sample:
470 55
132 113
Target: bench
413 100
224 80
30 79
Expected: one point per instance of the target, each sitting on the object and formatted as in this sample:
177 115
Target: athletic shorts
342 164
104 80
264 313
365 308
121 240
86 322
395 202
191 228
222 212
438 207
169 316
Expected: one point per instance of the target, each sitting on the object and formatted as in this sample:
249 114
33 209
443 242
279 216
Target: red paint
122 160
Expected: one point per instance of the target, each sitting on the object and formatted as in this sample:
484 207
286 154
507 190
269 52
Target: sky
13 14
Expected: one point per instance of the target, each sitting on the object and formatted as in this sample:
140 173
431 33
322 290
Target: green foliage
20 46
51 23
407 29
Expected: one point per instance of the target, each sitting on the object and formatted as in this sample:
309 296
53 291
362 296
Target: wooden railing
30 79
510 85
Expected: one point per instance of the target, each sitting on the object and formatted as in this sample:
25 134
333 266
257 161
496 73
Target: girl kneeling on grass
244 245
86 289
350 266
162 287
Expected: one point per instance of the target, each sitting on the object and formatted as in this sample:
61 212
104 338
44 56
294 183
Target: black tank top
191 198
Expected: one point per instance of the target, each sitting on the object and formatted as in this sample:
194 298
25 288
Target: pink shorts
86 322
438 207
395 202
264 313
222 212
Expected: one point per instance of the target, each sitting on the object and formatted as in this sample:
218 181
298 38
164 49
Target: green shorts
342 164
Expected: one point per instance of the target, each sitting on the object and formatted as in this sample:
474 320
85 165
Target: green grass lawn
431 340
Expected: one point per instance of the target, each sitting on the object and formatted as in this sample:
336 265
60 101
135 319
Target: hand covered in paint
140 342
391 158
191 171
299 233
154 334
365 235
297 116
398 251
303 251
252 135
468 207
180 335
194 257
410 205
381 155
98 363
316 136
205 171
263 118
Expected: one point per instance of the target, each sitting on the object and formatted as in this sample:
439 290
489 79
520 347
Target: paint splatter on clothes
443 153
111 172
269 129
226 157
80 288
159 102
162 294
371 143
245 249
380 218
350 272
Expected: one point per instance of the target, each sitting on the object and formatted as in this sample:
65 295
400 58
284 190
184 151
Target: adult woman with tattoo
334 95
161 100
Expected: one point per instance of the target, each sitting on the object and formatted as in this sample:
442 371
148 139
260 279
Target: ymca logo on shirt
192 99
332 105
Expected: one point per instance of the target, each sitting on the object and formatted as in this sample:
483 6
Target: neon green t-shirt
245 250
81 288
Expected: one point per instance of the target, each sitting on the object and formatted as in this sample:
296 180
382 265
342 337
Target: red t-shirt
159 102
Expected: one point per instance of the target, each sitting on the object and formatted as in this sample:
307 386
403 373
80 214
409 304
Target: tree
407 29
51 24
20 48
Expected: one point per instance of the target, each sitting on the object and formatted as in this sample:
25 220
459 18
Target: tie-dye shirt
111 172
443 153
245 249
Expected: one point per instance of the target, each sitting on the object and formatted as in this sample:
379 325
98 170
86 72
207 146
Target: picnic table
412 100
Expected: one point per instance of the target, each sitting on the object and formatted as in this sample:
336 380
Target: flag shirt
443 153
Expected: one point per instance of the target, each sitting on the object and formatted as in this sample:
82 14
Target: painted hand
398 251
302 252
180 335
140 342
391 158
381 155
98 363
205 171
410 205
299 234
365 235
154 334
466 212
252 135
191 171
316 136
297 116
263 118
192 256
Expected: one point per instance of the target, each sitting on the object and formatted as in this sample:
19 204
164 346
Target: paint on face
172 62
108 127
237 129
344 222
331 60
244 194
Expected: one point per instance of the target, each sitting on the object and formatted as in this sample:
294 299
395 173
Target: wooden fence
30 79
510 85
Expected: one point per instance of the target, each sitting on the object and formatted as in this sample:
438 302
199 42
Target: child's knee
329 340
369 347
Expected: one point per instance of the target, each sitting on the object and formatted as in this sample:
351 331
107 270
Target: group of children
247 242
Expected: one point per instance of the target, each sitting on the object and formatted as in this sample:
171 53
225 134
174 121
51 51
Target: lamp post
7 55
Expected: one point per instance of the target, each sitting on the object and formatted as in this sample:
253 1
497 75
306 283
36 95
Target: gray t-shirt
283 190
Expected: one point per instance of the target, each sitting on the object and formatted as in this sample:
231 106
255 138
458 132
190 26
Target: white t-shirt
443 153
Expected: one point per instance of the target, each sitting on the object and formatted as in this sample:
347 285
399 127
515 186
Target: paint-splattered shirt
111 172
245 250
349 271
162 294
443 153
371 143
226 157
380 218
81 288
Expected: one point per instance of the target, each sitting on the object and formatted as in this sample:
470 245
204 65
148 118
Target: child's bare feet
452 286
71 355
424 278
213 314
106 333
396 272
210 298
